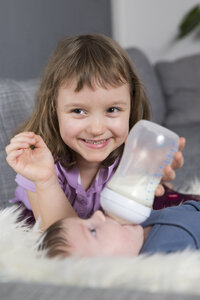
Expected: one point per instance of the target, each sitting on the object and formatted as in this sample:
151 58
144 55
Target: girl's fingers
159 191
16 146
169 174
24 139
182 142
13 156
39 141
178 161
25 133
30 138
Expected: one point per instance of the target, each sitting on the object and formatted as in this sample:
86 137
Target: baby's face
103 236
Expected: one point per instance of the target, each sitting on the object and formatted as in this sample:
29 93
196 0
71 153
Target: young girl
89 99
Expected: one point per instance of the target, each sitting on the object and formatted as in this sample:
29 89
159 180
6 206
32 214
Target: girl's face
93 122
102 236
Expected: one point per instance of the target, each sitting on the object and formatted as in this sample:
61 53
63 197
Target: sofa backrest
180 81
151 84
16 104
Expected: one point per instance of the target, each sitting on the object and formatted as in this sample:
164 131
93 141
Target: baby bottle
130 193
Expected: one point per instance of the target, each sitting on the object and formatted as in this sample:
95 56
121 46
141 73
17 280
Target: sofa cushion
190 170
16 103
151 84
180 80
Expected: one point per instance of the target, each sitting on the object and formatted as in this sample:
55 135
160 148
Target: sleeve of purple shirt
24 184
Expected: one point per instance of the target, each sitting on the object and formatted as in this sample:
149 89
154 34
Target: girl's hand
29 156
169 172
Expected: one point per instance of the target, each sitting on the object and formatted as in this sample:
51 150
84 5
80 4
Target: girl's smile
96 144
93 122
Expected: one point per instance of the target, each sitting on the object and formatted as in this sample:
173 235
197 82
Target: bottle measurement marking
158 174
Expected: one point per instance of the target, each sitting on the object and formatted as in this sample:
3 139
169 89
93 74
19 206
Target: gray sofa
173 89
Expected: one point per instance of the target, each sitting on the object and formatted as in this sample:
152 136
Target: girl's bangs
103 80
98 75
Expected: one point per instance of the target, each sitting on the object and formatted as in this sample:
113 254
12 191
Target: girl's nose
99 216
97 126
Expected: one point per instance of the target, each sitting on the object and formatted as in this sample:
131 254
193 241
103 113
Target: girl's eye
78 111
93 231
113 109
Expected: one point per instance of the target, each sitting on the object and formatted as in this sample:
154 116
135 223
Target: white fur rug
19 260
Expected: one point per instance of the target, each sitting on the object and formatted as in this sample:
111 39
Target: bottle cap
124 208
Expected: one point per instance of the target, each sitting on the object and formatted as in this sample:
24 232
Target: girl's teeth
95 142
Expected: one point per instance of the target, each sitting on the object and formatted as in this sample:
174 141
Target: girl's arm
169 172
37 165
50 203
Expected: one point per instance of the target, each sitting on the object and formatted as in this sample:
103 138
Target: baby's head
89 61
97 236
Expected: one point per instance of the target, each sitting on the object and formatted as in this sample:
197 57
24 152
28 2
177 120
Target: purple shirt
85 203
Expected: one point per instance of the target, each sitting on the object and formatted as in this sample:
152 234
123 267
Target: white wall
152 26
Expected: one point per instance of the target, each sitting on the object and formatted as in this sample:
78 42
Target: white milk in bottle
129 194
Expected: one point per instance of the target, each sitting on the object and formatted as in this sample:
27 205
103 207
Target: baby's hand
29 156
169 172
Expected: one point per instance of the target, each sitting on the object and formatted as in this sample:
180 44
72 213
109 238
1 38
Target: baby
168 230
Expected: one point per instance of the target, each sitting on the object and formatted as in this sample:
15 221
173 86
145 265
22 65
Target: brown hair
54 241
91 60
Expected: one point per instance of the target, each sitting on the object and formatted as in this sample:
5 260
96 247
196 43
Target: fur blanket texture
20 261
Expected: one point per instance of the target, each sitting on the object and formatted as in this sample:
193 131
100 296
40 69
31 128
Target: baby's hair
91 60
54 241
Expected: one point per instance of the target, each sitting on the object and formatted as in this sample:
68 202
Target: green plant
190 22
